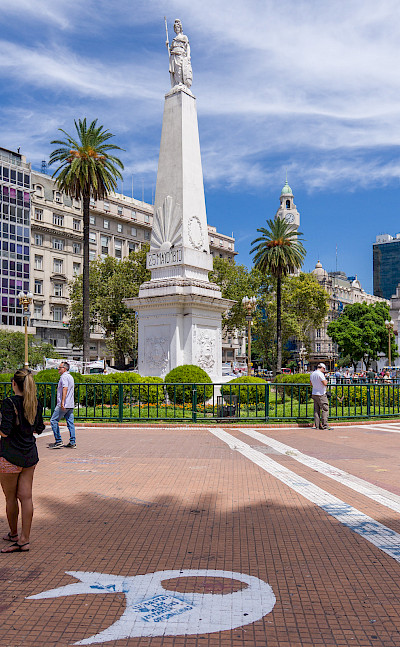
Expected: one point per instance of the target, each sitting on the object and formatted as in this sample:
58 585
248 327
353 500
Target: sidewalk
128 503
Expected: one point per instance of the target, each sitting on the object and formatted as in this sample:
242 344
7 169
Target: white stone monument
179 309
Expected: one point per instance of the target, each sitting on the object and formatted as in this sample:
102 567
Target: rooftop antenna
122 187
336 257
44 166
142 190
132 186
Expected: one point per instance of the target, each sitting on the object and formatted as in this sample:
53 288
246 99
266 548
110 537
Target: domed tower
287 209
319 272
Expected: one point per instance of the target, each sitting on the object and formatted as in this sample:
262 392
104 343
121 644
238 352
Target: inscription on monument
162 259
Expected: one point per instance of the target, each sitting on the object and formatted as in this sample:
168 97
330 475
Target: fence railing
249 402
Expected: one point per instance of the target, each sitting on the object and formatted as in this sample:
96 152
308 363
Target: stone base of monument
179 328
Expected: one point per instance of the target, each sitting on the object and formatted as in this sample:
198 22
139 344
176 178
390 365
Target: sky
310 88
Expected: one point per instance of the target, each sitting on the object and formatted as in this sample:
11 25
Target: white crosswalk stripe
376 533
369 490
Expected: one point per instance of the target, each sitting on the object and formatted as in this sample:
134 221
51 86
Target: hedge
251 395
188 374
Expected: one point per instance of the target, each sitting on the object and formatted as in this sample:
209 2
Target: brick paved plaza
323 535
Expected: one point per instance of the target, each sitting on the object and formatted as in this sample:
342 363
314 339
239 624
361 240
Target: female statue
180 67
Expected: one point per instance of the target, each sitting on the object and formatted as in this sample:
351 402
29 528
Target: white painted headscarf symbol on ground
152 610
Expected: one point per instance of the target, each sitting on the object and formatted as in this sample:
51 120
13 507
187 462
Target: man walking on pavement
64 408
321 402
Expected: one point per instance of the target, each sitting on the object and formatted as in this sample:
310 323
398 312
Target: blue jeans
68 414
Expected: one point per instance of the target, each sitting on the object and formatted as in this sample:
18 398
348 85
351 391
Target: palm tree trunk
278 325
86 284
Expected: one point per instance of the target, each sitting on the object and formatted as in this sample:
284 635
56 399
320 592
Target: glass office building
15 195
386 259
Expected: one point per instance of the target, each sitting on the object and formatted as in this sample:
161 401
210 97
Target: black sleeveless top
19 445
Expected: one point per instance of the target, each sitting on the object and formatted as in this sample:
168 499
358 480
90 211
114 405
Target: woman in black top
21 418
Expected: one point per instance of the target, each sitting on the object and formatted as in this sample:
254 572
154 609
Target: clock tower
287 209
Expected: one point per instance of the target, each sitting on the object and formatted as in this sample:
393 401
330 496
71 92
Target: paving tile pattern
130 502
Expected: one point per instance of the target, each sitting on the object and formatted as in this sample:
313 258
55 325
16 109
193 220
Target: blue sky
308 86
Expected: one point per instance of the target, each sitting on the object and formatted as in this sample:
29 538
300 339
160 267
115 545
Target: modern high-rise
386 260
15 202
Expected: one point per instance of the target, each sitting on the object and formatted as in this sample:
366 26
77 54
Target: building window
57 196
287 204
38 262
58 243
58 265
147 235
58 220
221 243
133 231
132 247
106 224
37 311
133 215
58 289
39 192
39 214
106 205
92 237
76 225
92 256
39 239
120 211
118 248
318 348
76 267
318 333
92 202
76 248
76 203
92 220
146 217
104 244
38 286
119 228
57 314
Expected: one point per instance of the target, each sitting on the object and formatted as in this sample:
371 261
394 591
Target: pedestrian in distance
64 408
321 402
21 417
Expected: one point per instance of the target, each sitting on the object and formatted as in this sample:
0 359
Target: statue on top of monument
180 67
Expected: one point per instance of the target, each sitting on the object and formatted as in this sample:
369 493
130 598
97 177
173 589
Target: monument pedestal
179 309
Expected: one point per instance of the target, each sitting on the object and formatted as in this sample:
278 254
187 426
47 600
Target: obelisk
179 310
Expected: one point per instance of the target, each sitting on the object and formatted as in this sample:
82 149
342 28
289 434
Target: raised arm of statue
180 67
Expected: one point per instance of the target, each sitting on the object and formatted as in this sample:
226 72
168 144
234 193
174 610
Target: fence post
194 403
266 412
368 400
53 396
121 402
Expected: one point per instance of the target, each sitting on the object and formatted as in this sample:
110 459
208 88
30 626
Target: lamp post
302 356
25 300
249 304
389 327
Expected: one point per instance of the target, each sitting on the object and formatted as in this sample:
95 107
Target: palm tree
86 171
278 252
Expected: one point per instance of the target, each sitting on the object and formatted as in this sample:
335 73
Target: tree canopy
111 281
361 334
12 351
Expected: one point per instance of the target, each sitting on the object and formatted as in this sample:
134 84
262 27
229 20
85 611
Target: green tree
235 281
307 302
86 170
361 334
278 251
111 281
12 351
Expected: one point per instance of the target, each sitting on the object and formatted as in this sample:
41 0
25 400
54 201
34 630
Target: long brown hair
23 378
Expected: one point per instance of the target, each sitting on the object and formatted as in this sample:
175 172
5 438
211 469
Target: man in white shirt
321 402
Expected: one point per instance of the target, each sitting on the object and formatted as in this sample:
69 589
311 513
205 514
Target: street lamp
389 327
249 304
25 300
302 356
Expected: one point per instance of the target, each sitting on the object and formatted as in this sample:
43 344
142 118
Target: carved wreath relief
195 232
206 350
157 353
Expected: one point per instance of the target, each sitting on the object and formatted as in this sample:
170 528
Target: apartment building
118 225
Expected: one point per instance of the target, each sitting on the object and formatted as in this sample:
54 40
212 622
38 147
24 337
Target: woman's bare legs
24 495
9 484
